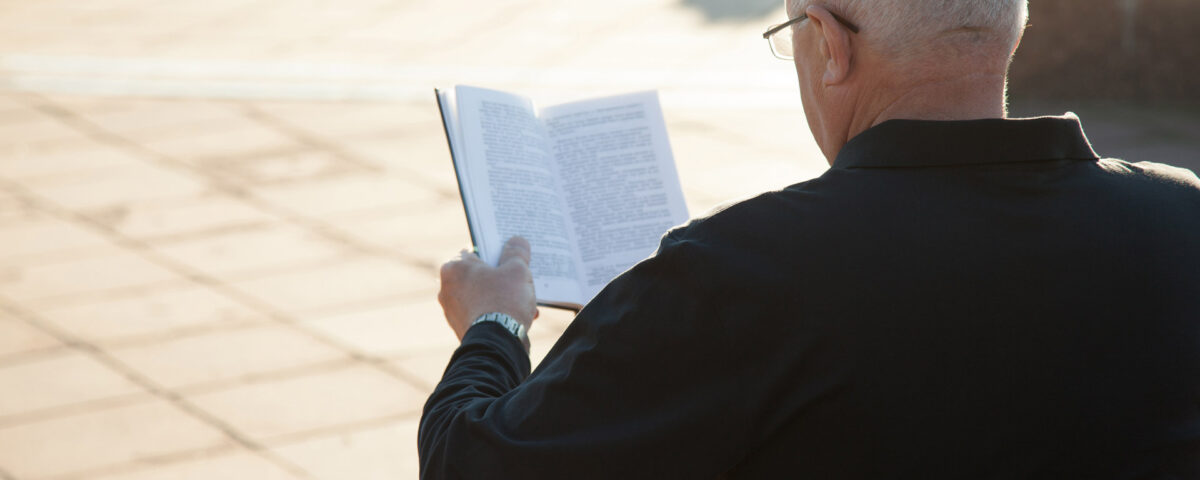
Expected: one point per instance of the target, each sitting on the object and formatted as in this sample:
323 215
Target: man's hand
471 288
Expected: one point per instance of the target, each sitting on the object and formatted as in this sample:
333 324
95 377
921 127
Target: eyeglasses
780 36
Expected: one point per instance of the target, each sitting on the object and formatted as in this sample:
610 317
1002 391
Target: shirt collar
925 143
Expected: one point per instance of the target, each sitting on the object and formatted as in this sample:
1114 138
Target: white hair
905 29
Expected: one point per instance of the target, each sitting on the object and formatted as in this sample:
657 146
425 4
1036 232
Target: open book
591 184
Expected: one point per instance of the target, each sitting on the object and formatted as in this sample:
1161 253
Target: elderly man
960 296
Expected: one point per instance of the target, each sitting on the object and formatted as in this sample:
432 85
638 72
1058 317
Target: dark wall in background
1145 51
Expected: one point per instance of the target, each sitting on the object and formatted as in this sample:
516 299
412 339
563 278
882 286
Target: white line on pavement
251 79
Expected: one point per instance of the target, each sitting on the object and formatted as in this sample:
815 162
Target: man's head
920 59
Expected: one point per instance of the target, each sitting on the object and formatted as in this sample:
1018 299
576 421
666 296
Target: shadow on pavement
734 10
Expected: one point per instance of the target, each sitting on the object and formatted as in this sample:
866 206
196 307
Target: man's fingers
455 267
467 255
516 248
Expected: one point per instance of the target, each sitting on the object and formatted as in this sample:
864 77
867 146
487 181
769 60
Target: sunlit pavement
220 221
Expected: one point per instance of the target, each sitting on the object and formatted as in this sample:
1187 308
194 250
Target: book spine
457 174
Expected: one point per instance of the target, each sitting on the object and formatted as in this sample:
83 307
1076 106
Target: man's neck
894 94
964 97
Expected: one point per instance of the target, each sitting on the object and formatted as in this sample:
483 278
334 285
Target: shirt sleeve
643 384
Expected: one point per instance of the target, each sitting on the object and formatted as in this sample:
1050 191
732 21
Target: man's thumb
517 248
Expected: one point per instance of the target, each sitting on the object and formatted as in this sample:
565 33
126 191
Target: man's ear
839 56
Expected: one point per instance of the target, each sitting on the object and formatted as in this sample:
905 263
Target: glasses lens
781 43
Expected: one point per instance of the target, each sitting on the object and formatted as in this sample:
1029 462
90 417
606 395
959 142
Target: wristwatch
508 322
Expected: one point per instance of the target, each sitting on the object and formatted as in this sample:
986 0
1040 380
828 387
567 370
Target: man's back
967 316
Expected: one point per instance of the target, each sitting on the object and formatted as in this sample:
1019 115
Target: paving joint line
31 356
376 303
226 159
258 273
401 371
180 333
289 373
155 460
74 409
51 257
85 297
187 236
352 427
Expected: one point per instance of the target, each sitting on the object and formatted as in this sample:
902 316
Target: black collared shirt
980 299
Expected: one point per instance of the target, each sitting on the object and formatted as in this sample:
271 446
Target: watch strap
508 322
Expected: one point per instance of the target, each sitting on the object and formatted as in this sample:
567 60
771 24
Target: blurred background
220 221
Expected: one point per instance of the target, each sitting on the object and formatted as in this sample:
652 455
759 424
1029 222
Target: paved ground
220 221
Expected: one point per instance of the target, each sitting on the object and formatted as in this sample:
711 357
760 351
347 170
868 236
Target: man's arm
642 385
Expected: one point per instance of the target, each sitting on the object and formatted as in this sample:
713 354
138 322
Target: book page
618 175
514 189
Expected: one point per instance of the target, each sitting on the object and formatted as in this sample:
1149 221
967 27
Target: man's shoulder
1151 184
744 217
1153 170
756 235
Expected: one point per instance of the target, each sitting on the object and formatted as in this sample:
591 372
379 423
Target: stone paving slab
176 220
344 284
272 410
225 356
151 316
390 331
221 221
250 252
103 438
113 273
